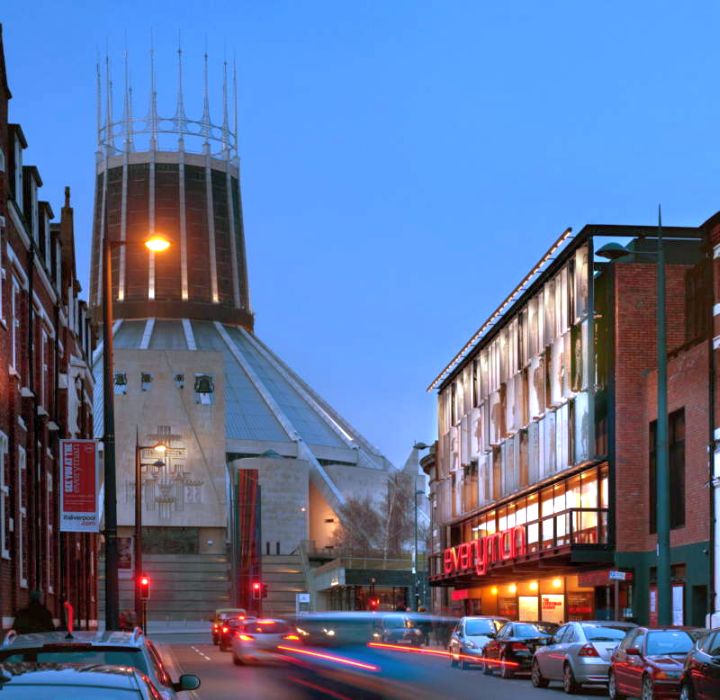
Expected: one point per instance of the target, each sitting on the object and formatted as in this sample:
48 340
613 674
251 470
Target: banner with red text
79 486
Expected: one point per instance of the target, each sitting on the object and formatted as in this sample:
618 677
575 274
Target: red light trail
444 654
331 657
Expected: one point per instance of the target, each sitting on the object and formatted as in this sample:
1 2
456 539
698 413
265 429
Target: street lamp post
112 603
613 251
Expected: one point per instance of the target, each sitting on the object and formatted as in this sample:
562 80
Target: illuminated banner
476 556
79 486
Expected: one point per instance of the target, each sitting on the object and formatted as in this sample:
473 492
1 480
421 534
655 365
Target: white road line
197 651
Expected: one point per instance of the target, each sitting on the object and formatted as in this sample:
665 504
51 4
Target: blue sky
404 163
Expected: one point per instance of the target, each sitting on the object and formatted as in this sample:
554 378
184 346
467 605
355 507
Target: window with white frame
4 500
50 532
43 367
14 323
22 533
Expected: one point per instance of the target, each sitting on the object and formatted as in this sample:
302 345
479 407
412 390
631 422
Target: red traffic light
256 590
144 584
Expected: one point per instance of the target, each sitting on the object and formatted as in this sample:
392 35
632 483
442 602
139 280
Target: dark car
397 629
228 630
513 647
700 678
220 618
649 662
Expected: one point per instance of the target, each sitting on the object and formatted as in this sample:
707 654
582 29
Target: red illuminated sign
476 556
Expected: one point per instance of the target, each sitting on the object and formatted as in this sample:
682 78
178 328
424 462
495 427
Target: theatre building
543 477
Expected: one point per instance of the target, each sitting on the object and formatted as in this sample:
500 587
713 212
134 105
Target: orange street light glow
157 244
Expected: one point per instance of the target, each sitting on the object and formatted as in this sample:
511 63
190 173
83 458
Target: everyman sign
477 555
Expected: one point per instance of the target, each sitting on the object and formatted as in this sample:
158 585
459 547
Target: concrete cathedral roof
267 405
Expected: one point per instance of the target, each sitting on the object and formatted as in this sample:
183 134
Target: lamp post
154 244
613 251
416 446
138 567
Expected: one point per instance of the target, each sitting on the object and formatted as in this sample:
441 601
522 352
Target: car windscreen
604 633
396 622
479 627
90 655
668 642
266 627
525 631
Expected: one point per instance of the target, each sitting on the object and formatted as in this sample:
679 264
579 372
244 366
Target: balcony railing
574 527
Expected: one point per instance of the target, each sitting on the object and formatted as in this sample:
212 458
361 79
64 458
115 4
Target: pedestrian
34 618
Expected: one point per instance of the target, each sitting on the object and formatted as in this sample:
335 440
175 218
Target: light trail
331 657
444 654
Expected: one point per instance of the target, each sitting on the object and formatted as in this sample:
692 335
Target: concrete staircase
283 574
185 587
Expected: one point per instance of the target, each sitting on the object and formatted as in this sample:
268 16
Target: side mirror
491 635
188 681
633 651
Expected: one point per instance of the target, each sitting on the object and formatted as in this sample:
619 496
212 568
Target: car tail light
518 646
225 629
215 627
244 637
292 637
588 650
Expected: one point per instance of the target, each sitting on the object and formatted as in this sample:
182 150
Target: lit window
146 380
204 389
120 383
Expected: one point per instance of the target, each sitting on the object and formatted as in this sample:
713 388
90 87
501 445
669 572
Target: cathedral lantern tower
176 176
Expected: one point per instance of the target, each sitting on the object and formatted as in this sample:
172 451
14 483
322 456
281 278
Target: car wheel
464 665
686 691
237 660
570 685
536 676
453 660
505 670
612 688
487 668
647 689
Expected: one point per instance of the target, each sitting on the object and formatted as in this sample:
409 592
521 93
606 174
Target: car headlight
667 675
470 645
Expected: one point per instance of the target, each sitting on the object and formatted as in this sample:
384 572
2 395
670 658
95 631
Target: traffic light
256 590
144 585
264 590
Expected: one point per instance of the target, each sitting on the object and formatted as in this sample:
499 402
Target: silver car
258 641
469 638
579 653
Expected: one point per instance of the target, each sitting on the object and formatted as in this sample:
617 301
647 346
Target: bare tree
361 527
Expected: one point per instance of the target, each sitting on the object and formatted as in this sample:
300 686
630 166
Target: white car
469 638
258 641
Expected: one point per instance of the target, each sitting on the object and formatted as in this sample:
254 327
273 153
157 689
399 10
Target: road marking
204 655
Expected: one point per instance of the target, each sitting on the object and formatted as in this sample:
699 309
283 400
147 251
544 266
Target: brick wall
636 404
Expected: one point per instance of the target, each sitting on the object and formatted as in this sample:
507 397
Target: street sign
620 576
79 486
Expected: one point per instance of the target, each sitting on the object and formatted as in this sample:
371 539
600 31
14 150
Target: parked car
131 649
258 641
700 678
578 653
469 638
397 628
31 681
648 663
221 616
513 647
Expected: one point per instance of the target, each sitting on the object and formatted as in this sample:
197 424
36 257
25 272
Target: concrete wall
285 500
190 490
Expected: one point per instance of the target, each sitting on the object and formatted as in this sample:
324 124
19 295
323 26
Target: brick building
45 387
544 470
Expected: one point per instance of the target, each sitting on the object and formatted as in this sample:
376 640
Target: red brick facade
45 388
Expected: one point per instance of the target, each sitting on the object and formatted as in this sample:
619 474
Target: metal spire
225 124
153 117
99 103
180 109
127 108
205 129
235 108
109 137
